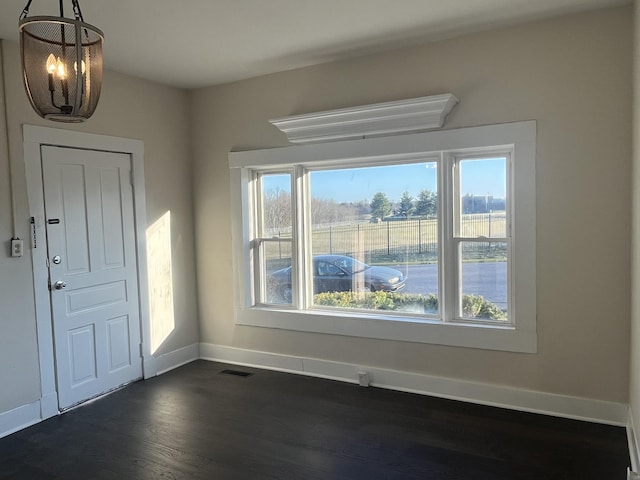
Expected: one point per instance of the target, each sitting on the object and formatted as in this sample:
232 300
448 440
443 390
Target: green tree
427 203
380 205
406 206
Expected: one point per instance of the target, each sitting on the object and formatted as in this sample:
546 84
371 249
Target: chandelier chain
76 10
25 11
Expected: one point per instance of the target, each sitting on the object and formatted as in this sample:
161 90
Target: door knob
59 285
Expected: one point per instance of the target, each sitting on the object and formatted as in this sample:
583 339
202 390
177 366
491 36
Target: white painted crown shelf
402 116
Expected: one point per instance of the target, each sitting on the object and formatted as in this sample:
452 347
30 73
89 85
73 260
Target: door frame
33 138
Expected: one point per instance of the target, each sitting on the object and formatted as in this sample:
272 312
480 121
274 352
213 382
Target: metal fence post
330 239
388 239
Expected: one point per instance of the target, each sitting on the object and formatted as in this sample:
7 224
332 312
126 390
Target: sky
477 177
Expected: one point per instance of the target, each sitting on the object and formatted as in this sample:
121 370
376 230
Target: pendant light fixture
61 64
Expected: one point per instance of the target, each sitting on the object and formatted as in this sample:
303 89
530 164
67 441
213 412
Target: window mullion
446 214
255 224
483 239
510 195
509 233
302 238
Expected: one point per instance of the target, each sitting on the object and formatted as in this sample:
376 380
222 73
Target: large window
388 238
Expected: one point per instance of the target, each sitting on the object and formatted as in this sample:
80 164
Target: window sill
389 327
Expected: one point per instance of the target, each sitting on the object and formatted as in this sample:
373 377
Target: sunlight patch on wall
160 280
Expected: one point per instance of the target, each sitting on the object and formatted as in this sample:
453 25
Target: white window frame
518 336
453 238
259 239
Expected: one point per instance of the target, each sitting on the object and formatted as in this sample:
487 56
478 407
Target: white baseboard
634 453
149 367
49 406
176 358
19 418
27 415
579 408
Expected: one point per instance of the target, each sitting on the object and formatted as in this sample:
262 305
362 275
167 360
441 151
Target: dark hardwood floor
198 423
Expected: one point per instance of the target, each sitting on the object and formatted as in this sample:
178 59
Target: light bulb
62 73
82 66
51 64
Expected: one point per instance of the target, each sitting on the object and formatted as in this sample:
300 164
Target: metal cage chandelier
61 64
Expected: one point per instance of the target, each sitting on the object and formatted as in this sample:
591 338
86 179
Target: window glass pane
275 244
483 280
483 199
375 237
277 267
275 193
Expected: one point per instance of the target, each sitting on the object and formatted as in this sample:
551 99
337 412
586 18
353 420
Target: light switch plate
17 247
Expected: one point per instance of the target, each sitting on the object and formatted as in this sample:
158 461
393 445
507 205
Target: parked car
340 273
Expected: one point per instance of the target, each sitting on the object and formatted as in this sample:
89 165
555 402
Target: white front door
91 249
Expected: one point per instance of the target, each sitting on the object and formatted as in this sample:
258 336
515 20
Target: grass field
412 240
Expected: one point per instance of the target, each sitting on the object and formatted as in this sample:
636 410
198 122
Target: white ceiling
196 43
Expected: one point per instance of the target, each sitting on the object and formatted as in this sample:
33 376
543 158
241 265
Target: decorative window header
402 116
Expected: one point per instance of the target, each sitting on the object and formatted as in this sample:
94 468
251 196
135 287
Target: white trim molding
519 335
634 452
20 418
33 138
49 405
177 358
565 406
402 116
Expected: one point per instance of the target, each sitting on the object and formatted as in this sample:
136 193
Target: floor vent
237 373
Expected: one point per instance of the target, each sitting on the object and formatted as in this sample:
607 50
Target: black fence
403 238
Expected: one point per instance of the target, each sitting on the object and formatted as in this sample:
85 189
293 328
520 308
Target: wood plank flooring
198 423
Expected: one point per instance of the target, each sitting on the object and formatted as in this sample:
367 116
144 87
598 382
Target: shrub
368 300
477 307
474 306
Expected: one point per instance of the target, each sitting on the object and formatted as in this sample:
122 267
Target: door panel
69 184
112 250
119 348
90 225
82 354
86 299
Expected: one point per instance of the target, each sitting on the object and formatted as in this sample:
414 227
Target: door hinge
34 238
131 178
141 352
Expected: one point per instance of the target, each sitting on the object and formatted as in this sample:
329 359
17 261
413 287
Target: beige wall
129 108
572 75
